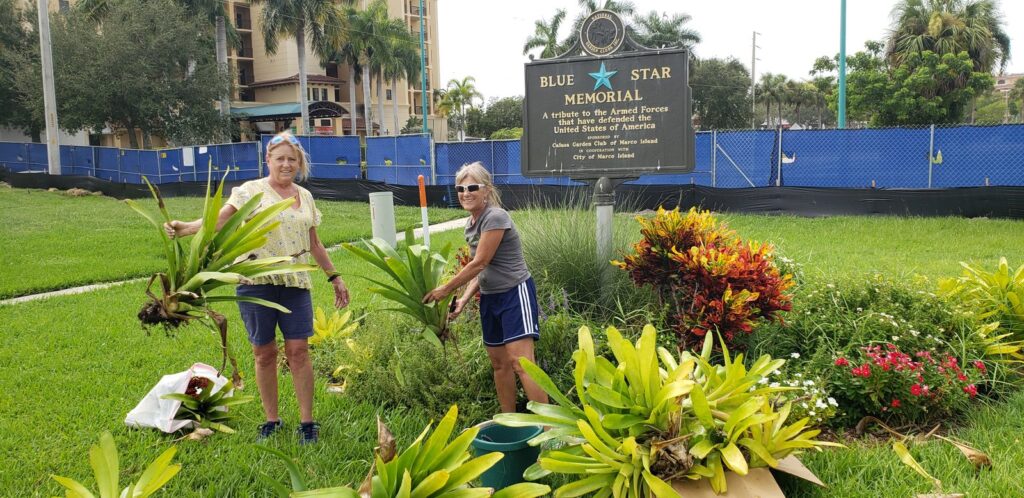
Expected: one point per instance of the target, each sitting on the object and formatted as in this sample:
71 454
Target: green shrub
835 322
507 134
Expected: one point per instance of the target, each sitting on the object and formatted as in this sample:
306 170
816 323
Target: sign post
607 111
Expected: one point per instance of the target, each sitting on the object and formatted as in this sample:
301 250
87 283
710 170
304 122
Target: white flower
773 384
820 404
812 413
895 338
794 355
808 382
914 333
832 401
859 309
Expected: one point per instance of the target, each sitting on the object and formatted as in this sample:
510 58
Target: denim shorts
262 322
511 315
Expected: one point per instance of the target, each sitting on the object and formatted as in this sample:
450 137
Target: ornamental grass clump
649 418
709 279
212 259
993 296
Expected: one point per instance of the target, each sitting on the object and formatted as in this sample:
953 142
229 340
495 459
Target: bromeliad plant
104 461
208 408
413 274
338 326
711 280
650 418
991 296
431 467
213 258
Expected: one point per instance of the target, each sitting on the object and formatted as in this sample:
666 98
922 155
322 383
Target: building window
337 95
387 95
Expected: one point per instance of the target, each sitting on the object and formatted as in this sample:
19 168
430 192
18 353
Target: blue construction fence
906 158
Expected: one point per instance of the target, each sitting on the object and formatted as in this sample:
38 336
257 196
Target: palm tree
950 26
320 19
798 94
348 54
404 63
371 23
771 89
392 52
545 35
661 31
461 93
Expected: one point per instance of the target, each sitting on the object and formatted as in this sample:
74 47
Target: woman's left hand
340 293
435 295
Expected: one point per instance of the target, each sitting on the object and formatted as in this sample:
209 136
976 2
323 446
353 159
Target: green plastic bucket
512 442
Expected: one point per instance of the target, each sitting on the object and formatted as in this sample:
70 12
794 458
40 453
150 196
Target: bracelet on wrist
333 275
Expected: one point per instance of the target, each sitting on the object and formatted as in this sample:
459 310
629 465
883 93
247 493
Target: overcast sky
484 38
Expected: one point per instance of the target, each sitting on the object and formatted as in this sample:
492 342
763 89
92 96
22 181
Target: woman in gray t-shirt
508 296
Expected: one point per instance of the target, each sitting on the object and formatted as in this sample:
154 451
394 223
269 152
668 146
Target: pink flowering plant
916 387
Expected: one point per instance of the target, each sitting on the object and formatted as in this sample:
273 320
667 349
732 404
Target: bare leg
504 378
297 352
266 378
523 348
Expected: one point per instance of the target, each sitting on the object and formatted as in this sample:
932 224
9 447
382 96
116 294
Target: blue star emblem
602 77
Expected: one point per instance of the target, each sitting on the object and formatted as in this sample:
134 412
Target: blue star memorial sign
602 77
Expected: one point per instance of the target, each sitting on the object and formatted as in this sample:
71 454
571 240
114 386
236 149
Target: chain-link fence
930 157
400 160
329 156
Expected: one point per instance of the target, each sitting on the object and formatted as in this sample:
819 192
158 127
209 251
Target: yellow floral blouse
291 237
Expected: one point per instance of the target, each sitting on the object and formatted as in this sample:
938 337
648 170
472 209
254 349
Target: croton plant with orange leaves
711 279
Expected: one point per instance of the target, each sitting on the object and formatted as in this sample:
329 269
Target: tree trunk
767 113
779 103
222 64
147 140
300 41
133 141
462 122
352 106
380 99
367 123
394 105
36 135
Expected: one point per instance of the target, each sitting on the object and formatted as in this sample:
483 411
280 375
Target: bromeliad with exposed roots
212 259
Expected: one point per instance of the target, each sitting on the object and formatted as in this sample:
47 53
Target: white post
604 203
382 217
49 96
423 212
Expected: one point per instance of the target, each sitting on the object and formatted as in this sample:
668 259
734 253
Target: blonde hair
478 172
286 138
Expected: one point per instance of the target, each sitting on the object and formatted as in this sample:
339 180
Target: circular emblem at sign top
602 33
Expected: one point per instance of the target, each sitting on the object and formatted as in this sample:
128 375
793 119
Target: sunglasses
472 187
281 138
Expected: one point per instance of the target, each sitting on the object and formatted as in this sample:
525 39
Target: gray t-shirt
507 268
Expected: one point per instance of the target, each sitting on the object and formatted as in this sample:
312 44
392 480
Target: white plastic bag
153 411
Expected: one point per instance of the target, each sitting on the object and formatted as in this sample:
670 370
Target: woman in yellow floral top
286 162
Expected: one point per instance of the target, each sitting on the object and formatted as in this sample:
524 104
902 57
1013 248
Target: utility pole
753 80
49 96
423 71
841 121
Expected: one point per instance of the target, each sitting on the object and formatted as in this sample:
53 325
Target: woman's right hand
459 304
175 228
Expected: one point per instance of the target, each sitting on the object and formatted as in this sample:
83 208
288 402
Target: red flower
895 403
842 362
916 389
980 366
862 371
971 389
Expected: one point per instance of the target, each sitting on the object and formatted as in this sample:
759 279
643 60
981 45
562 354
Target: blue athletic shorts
511 315
262 322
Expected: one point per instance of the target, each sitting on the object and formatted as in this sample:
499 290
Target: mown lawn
52 241
74 366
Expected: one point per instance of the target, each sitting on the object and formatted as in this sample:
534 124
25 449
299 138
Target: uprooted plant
209 408
412 275
648 419
212 259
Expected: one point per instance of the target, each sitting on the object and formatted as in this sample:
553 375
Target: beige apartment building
267 99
